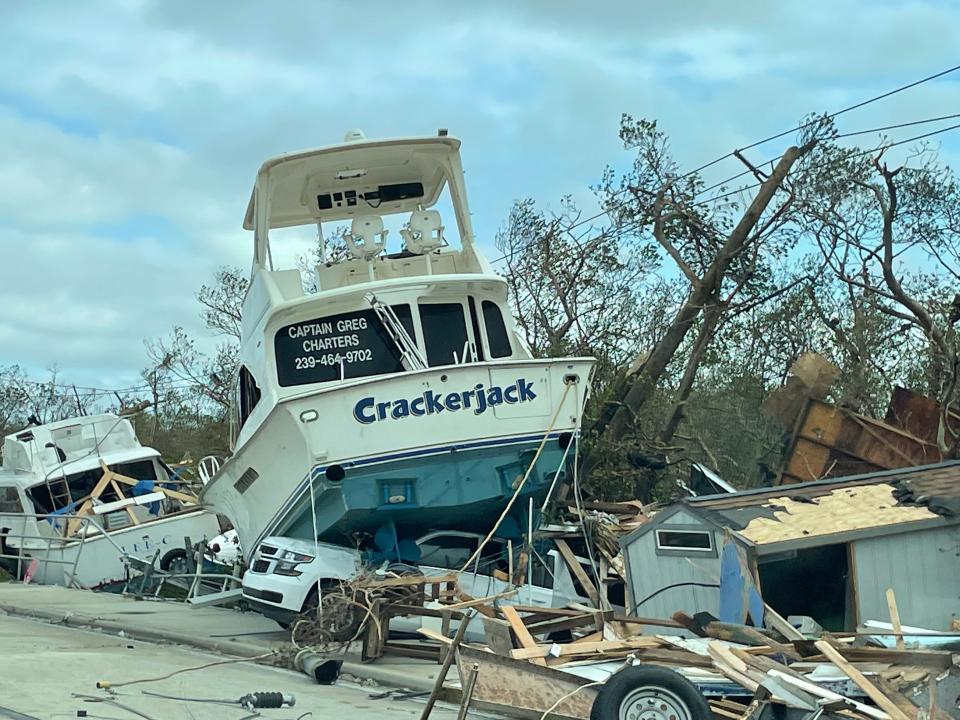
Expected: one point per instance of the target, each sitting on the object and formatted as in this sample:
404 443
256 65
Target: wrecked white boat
398 396
79 496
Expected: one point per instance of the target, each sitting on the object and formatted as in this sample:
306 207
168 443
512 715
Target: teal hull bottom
458 488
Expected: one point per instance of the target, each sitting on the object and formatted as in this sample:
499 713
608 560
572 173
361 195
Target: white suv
282 580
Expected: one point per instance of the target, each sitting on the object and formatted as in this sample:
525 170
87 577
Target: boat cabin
50 469
376 306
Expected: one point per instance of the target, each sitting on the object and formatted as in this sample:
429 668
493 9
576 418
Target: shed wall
922 567
650 571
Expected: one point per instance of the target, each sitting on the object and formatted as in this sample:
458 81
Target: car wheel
339 616
647 692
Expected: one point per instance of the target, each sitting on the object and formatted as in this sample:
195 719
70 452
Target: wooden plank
586 648
434 635
821 692
731 666
173 494
561 623
779 623
121 496
482 608
571 560
520 630
445 668
520 571
659 622
473 602
895 618
861 681
939 659
546 610
376 634
407 581
87 506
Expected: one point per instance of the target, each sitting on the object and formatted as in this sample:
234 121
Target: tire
648 692
177 554
345 618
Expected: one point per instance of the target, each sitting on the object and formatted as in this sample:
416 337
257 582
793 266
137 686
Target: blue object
145 487
739 597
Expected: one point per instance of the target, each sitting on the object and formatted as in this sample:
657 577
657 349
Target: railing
45 545
194 580
16 530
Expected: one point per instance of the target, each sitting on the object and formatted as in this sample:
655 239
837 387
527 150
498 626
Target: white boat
79 496
398 396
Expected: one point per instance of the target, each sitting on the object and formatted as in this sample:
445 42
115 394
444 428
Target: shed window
693 540
444 332
496 330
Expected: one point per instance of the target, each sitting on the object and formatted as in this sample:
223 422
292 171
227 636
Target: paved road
43 665
206 628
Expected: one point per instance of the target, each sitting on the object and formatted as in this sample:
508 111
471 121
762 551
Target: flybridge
479 399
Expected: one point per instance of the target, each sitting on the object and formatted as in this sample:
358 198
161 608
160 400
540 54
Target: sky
131 131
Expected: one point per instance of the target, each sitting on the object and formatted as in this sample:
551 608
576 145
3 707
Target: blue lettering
368 410
481 400
401 408
416 407
361 409
433 403
526 393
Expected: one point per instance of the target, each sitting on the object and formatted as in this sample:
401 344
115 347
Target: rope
516 493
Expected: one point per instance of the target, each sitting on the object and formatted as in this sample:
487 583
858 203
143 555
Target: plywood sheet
842 510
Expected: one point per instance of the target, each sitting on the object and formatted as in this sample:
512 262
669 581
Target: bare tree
222 302
884 222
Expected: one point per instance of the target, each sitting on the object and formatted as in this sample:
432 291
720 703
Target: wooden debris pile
743 671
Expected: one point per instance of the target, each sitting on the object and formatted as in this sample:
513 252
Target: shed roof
874 503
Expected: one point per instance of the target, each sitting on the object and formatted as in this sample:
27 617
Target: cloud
133 129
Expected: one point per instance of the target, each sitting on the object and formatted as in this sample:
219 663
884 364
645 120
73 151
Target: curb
364 671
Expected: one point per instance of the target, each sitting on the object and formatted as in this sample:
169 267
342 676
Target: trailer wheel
647 692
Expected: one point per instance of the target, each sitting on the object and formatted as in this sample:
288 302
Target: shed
828 549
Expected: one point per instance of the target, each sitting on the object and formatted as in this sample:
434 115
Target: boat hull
97 560
369 460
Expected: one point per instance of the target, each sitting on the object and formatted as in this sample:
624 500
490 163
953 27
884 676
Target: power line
915 138
170 385
809 123
723 182
634 224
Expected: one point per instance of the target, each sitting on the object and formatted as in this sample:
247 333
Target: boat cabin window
497 338
248 394
348 345
444 333
10 500
51 496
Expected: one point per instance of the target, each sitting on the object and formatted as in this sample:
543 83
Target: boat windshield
49 497
358 343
